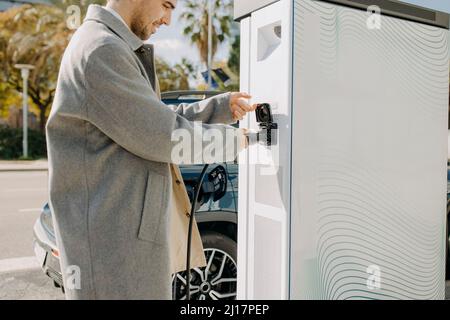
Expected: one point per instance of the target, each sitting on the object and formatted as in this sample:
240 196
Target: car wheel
216 281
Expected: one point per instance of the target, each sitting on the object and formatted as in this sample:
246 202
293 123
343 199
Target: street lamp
25 72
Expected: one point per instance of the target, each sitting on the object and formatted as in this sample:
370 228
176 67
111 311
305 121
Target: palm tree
196 19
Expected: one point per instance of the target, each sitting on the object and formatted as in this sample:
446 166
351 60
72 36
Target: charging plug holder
267 134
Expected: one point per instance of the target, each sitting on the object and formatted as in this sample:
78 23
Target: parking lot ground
34 285
28 285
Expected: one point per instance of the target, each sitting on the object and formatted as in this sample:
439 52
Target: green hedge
11 143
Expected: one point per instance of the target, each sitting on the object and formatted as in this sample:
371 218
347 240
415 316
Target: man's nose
167 18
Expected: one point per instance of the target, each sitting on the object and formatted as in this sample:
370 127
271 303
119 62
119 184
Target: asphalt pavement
22 196
23 192
28 285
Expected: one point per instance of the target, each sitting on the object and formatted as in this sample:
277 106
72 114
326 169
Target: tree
196 18
81 4
234 60
35 35
173 78
8 97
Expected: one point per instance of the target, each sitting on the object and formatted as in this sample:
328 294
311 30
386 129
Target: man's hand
239 106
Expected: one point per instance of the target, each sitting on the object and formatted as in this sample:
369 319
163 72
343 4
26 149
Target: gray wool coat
109 149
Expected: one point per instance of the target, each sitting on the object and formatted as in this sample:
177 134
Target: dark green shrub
11 143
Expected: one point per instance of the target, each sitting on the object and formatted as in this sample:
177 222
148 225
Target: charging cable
198 187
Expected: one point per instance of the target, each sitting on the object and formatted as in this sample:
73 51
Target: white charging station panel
268 206
351 203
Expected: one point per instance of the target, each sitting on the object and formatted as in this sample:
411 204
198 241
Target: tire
219 241
218 248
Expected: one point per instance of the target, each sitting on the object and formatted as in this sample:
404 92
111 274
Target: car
216 219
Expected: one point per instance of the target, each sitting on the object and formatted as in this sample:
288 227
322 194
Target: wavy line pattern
429 45
361 217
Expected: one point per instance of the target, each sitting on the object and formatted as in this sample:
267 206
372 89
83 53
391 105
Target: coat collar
100 14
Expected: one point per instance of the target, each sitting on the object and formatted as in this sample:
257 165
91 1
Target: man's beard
138 27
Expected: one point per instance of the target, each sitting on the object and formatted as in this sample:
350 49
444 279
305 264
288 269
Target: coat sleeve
213 110
119 104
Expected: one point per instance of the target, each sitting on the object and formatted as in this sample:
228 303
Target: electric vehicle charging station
353 204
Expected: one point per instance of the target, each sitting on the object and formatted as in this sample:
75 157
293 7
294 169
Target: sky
441 5
172 45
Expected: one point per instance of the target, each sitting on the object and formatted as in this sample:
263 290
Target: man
115 192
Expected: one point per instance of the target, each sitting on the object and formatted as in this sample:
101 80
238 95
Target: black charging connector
267 134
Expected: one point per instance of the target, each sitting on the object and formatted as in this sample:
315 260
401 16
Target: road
22 195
